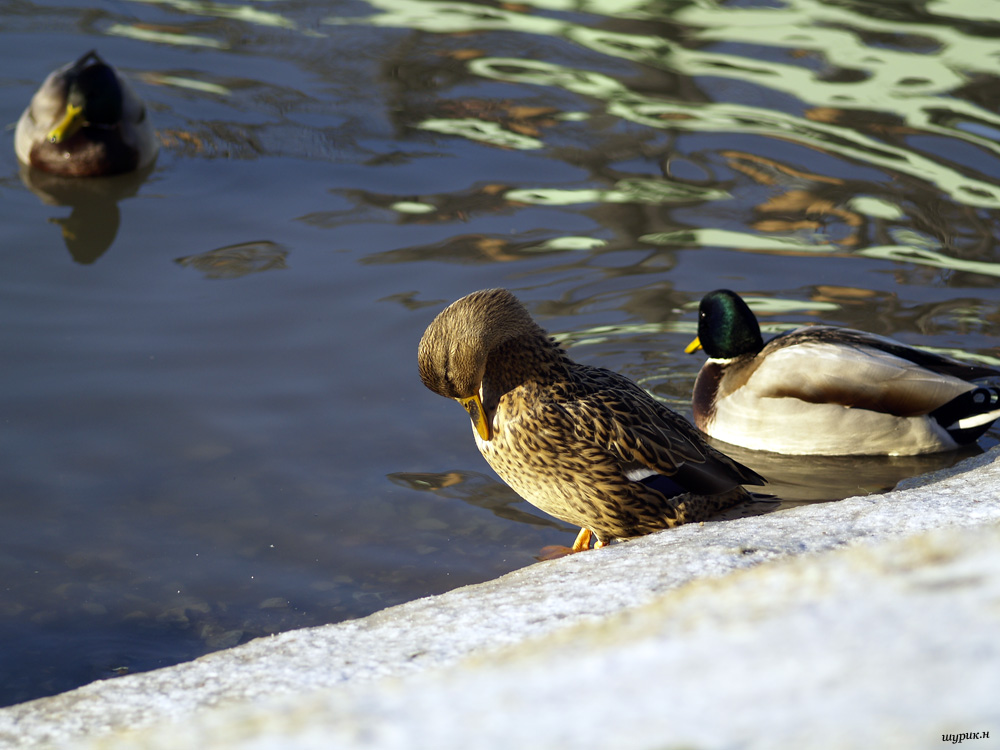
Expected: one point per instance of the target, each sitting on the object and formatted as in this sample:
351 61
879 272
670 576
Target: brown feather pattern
566 435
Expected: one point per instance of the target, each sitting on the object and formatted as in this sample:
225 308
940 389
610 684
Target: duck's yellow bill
693 346
475 408
69 124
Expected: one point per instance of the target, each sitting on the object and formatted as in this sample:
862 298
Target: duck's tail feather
970 414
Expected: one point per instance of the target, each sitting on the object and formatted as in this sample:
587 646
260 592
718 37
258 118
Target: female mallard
583 444
85 121
828 390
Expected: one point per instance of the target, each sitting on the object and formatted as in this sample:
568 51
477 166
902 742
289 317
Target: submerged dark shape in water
233 261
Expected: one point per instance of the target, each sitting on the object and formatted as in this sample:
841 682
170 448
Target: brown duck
581 443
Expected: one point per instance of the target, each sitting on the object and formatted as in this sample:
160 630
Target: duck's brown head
456 347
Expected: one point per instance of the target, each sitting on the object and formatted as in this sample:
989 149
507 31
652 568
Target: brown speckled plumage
567 437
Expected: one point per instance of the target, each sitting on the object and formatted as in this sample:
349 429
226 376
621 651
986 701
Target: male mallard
829 390
583 444
85 121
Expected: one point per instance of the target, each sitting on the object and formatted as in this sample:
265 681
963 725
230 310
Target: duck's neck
530 358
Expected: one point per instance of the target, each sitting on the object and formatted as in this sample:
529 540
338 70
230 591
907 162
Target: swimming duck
581 443
85 121
829 390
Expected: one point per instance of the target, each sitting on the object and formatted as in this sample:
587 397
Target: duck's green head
93 97
727 327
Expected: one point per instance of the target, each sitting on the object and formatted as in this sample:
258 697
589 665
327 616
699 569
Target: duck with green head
85 121
581 443
829 390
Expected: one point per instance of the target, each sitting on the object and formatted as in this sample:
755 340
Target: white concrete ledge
870 622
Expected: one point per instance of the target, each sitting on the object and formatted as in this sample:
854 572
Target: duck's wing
836 336
850 368
648 439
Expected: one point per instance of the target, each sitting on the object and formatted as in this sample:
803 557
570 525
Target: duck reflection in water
800 480
92 225
477 490
85 140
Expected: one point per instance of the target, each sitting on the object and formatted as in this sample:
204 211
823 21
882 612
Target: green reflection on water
741 118
567 243
738 240
773 305
876 208
182 82
973 9
770 243
738 118
910 84
925 257
541 73
479 130
220 10
620 8
907 83
451 17
624 191
163 37
413 207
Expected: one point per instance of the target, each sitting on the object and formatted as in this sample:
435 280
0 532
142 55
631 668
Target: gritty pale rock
871 622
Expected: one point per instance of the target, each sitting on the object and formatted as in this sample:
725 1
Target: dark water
211 426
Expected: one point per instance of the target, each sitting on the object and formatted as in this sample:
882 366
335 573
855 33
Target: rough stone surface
871 622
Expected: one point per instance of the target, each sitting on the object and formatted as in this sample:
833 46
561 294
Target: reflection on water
480 491
238 260
803 479
92 225
194 453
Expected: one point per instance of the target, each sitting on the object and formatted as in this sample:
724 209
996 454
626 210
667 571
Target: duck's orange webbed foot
553 551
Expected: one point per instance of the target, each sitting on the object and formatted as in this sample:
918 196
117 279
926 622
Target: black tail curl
969 415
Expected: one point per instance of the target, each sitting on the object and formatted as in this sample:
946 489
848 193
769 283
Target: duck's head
456 347
727 327
92 97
